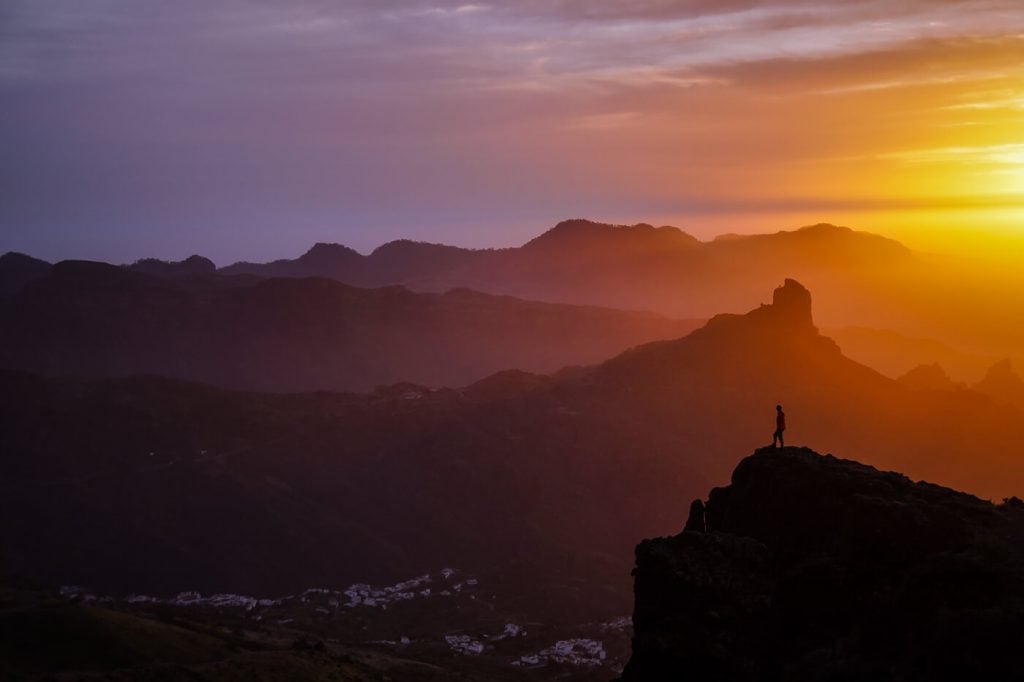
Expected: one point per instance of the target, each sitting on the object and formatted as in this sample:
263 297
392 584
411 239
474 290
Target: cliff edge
818 568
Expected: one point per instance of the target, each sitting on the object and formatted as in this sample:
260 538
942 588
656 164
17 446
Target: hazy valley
278 468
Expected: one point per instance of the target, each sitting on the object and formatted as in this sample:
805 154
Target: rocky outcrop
792 302
927 378
1002 384
193 266
788 315
17 270
817 568
180 320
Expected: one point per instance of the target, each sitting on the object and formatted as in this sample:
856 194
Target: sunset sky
250 130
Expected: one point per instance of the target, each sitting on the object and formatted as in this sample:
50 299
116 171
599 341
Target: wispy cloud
609 121
998 154
143 118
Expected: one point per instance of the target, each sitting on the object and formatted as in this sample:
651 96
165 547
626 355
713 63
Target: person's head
778 408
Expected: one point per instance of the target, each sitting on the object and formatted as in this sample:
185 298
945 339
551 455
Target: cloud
137 117
990 154
911 62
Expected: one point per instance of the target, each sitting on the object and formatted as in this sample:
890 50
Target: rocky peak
580 232
18 269
193 266
928 377
792 302
1000 370
789 311
324 250
200 263
819 568
327 260
1002 384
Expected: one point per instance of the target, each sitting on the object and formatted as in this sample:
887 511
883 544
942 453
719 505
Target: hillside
817 568
540 484
76 636
634 267
18 269
888 306
1002 384
97 320
861 280
894 354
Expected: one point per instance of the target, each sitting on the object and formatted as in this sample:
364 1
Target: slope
539 484
817 568
97 320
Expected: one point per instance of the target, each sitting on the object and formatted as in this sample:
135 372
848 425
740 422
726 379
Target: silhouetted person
780 427
696 521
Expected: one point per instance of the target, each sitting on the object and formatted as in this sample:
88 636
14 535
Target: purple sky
250 130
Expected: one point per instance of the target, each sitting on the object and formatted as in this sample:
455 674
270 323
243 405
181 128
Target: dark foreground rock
818 568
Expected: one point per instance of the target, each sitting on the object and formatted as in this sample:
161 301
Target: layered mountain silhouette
193 266
928 378
896 354
96 320
891 307
541 484
639 267
862 280
1002 384
817 568
18 269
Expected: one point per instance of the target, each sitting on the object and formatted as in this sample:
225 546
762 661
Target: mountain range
96 320
861 279
532 481
636 267
895 354
581 262
888 306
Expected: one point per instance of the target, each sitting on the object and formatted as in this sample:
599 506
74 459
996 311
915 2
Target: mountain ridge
643 267
551 465
92 319
862 279
807 566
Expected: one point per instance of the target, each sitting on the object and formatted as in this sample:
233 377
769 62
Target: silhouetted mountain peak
847 236
510 383
579 231
1001 370
1002 384
193 266
197 261
928 377
824 242
792 302
411 247
321 260
820 229
774 335
814 564
824 228
323 253
85 274
789 311
18 269
12 257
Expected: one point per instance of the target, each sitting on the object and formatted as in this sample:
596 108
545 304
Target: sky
250 130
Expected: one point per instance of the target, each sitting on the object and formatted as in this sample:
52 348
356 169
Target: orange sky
252 130
922 140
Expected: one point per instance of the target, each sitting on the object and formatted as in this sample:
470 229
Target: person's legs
775 439
782 441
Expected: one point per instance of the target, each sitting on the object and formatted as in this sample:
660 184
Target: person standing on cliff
780 427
